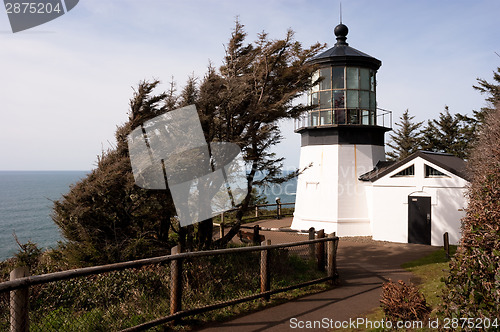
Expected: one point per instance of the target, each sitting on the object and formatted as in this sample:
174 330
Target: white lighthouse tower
343 138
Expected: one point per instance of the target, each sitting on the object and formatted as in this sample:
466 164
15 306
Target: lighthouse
341 139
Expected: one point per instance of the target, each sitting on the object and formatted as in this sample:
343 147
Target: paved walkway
363 264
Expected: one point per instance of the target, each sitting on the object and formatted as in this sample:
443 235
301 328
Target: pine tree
406 139
492 91
446 134
243 101
106 218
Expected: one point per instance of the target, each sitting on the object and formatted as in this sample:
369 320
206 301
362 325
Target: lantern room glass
344 95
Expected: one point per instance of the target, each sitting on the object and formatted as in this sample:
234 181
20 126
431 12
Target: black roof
342 54
446 161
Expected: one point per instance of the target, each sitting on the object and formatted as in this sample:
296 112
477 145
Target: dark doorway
419 220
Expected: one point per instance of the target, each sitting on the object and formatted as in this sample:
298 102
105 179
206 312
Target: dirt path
364 265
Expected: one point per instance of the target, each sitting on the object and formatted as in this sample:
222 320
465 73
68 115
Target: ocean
26 204
26 200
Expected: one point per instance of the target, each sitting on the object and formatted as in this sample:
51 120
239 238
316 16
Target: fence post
19 300
446 242
256 211
221 230
175 282
278 208
332 258
256 237
265 273
320 251
311 246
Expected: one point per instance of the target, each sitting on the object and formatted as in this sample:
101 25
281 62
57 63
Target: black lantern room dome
342 54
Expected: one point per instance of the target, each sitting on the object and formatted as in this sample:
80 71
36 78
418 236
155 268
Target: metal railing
383 118
65 301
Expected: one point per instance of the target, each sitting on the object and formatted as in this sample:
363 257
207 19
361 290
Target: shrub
403 302
473 285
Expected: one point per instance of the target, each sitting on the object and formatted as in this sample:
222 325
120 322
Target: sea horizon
27 196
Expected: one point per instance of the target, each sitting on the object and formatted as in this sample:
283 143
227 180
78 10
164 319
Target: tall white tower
343 138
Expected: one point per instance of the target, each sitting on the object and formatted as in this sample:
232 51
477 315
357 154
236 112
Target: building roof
446 161
342 54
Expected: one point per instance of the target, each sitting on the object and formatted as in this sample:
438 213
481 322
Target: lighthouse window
314 99
372 80
325 99
365 117
339 116
352 78
314 118
353 117
344 95
364 100
338 77
373 101
364 79
326 83
338 98
325 117
352 99
315 77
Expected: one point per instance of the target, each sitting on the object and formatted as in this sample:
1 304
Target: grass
429 272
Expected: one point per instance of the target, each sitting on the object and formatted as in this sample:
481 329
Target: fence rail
256 208
178 289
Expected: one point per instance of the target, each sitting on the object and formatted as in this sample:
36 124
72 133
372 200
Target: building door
419 220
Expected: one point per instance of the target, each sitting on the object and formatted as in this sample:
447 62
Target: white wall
329 194
317 189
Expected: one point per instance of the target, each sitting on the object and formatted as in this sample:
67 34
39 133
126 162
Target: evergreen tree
106 218
492 91
472 125
446 134
406 139
243 101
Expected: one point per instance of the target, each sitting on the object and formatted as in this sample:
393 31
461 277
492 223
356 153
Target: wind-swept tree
242 102
406 139
106 217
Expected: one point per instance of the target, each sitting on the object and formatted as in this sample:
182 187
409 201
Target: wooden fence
278 215
19 284
257 209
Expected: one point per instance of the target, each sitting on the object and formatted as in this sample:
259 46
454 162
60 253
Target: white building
418 199
348 187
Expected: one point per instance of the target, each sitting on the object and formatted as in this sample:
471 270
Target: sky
65 85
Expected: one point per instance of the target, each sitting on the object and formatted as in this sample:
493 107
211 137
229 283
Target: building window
409 171
345 95
431 172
